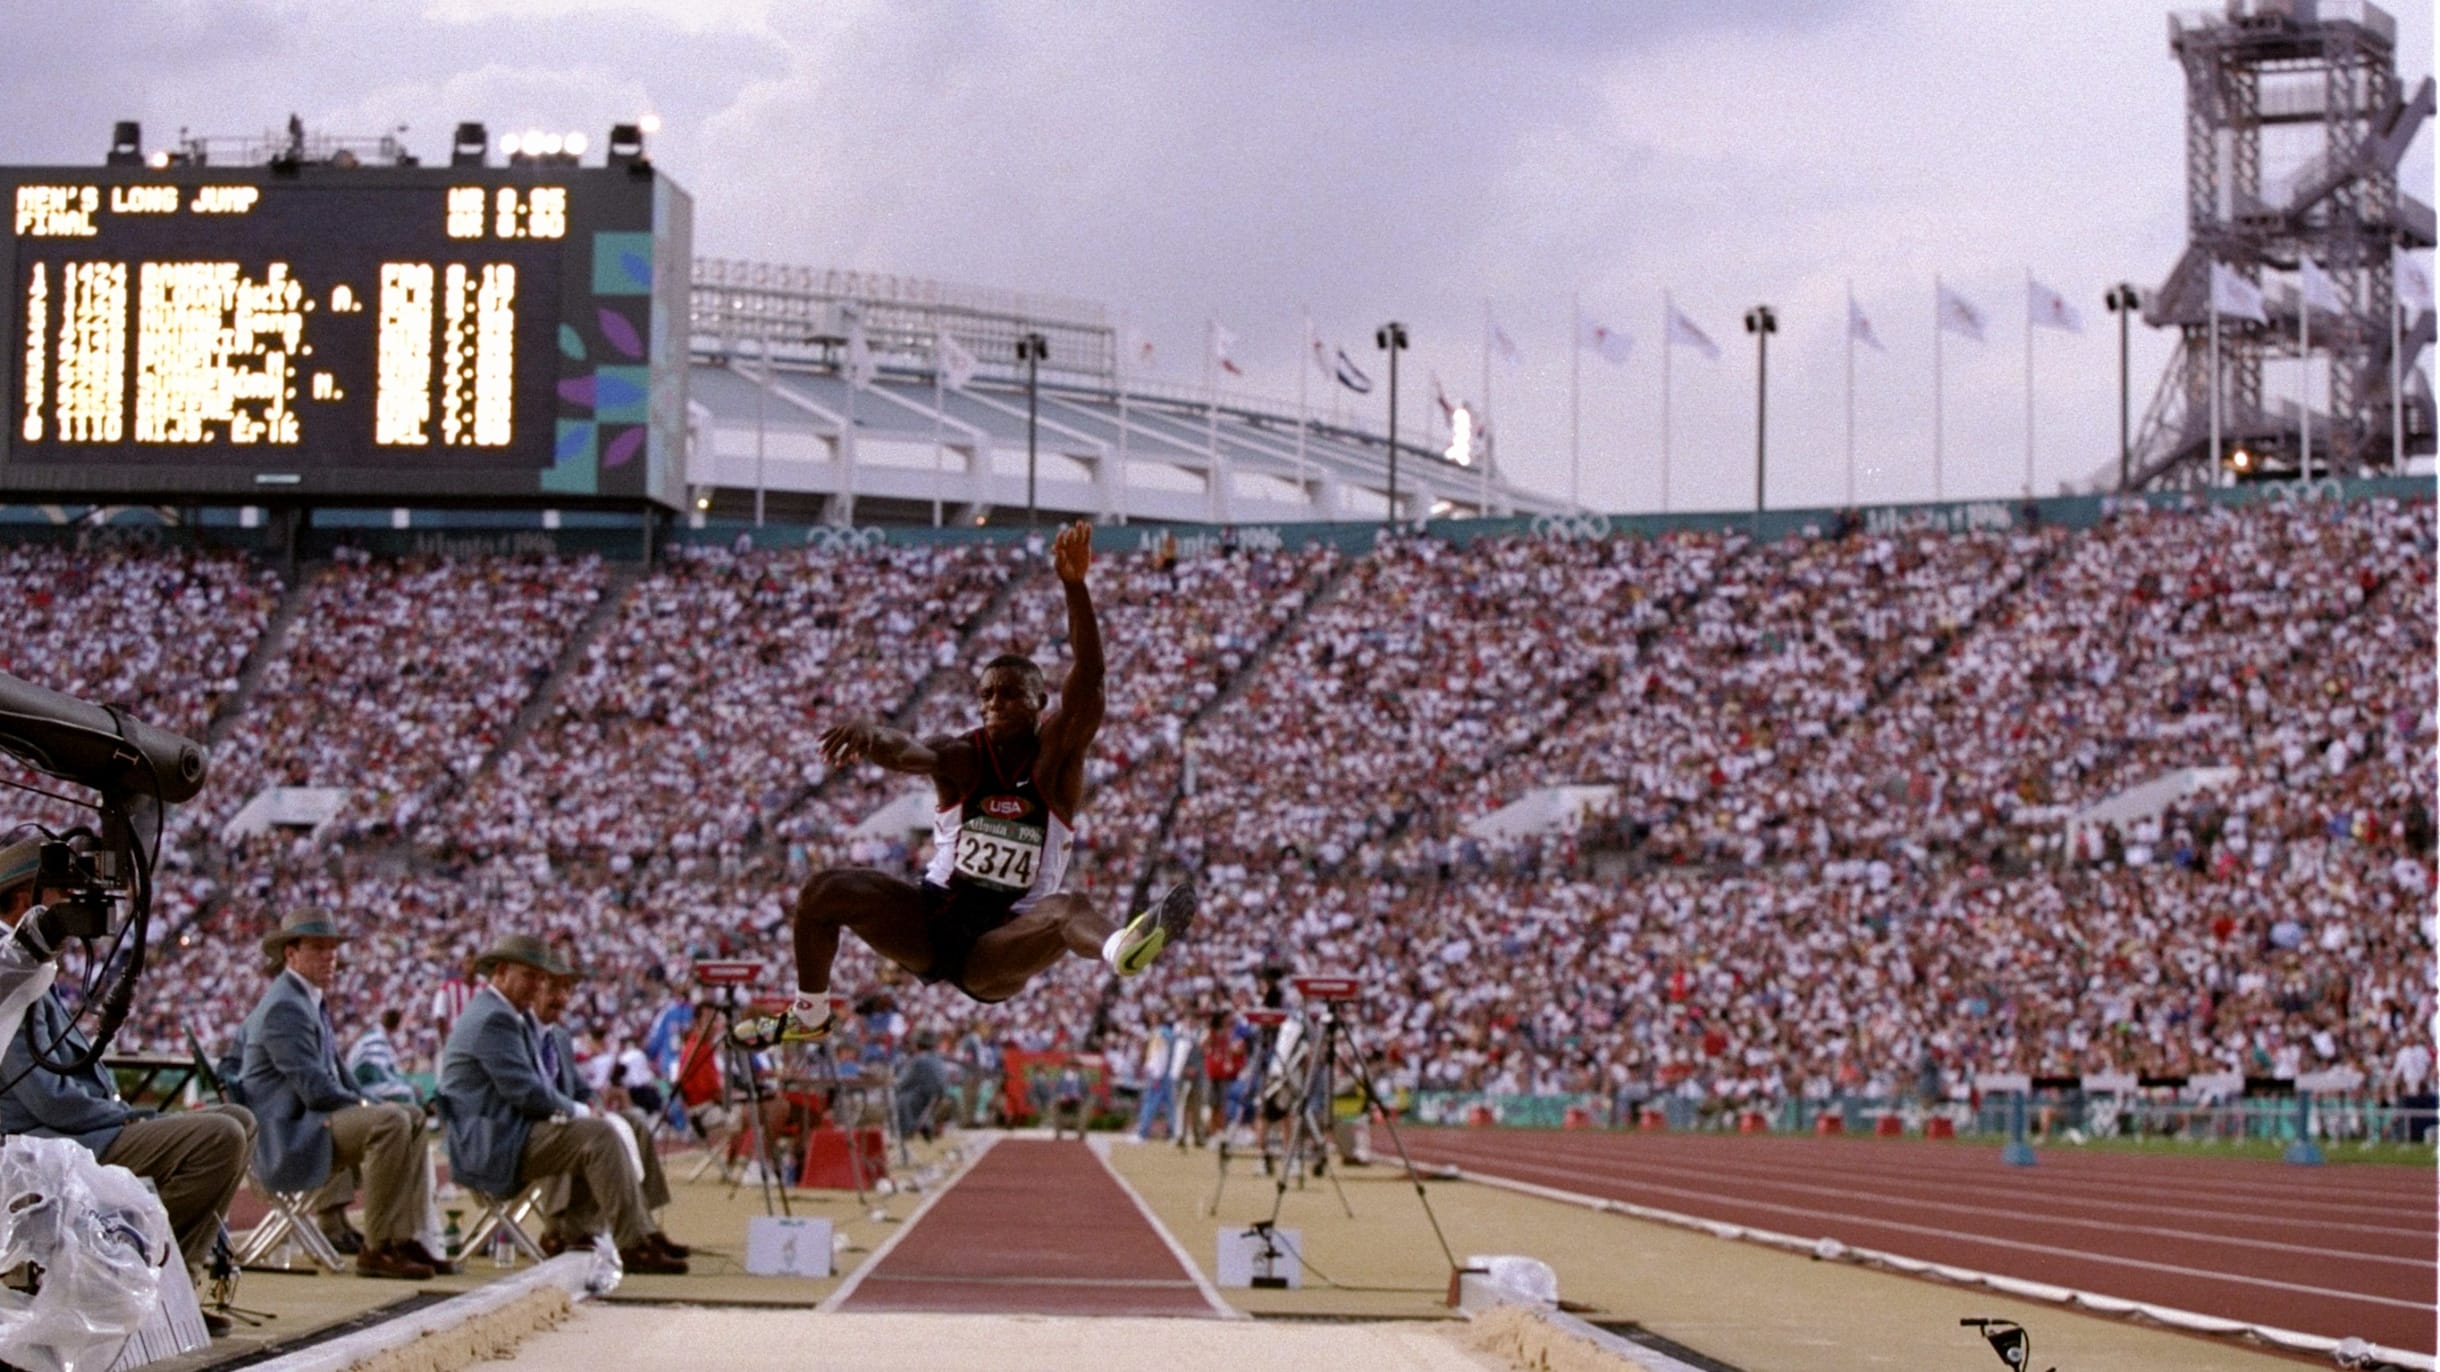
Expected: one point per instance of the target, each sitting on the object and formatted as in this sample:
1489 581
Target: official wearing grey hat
305 921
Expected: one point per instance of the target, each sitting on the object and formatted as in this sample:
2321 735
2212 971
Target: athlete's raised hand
1072 551
846 743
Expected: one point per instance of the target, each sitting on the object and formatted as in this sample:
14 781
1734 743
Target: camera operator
194 1158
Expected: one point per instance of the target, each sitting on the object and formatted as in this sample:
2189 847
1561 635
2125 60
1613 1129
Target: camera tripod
1324 997
737 1064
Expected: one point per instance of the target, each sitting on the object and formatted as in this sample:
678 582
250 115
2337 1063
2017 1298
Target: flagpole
940 367
1850 501
2211 472
2304 379
2029 383
847 440
1126 342
761 428
1936 429
1575 406
1482 456
1666 348
1304 416
2397 373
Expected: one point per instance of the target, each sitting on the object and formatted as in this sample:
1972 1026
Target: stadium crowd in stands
1842 851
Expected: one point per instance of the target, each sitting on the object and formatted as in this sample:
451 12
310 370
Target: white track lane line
1643 1167
2050 1181
2175 1318
1100 1144
2053 1182
1576 1177
872 1260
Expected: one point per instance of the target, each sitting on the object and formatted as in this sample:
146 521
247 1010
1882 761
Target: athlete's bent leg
885 912
1003 960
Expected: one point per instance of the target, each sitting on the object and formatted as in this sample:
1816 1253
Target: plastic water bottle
503 1249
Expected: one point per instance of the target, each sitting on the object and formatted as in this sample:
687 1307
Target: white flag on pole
861 369
2413 282
2320 292
956 364
1683 331
1506 347
1959 315
2050 309
1222 342
1612 346
2233 295
1860 329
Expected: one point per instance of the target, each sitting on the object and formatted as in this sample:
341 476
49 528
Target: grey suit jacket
491 1093
83 1106
291 1080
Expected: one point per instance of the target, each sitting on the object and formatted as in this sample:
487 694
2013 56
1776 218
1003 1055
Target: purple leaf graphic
621 334
577 390
623 448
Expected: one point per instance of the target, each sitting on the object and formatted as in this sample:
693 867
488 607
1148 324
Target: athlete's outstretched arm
877 743
1080 698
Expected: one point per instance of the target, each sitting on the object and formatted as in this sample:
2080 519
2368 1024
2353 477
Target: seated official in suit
509 1126
559 1066
312 1128
194 1158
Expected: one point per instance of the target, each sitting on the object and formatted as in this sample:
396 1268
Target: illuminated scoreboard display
385 334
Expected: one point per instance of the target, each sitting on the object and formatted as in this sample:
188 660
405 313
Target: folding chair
289 1226
506 1214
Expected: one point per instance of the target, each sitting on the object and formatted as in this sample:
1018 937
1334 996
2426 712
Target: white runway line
1211 1295
873 1259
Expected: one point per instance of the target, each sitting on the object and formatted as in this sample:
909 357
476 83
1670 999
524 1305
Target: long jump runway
2334 1251
1033 1228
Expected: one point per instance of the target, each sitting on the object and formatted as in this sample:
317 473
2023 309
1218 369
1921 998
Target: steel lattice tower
2294 130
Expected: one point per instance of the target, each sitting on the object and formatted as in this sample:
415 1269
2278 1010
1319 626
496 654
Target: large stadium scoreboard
383 334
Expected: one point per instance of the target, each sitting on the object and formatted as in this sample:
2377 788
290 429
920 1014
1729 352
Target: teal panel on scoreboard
578 470
622 263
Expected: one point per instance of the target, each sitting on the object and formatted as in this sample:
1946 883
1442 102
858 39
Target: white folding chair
288 1226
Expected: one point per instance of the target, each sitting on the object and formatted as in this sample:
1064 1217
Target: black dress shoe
669 1245
348 1239
217 1325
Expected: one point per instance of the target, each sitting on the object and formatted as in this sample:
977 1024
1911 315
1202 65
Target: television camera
97 883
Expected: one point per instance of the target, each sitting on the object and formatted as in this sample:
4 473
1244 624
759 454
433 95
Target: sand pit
606 1334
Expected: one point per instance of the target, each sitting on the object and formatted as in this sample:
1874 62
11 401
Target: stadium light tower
1391 339
1761 323
2123 301
1033 350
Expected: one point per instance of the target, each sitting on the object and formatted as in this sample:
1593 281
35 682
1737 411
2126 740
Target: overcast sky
1249 160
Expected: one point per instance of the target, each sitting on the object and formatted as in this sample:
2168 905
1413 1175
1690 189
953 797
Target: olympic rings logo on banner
2301 492
835 539
1561 528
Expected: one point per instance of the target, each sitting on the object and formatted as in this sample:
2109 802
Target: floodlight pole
1391 339
2123 300
1033 350
1761 323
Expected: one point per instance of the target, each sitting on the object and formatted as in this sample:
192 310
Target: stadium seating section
1843 856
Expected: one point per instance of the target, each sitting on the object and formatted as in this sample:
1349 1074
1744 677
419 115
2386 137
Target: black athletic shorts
955 919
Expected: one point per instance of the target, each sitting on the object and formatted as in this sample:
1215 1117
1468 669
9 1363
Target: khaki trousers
604 1195
384 1143
194 1159
560 1196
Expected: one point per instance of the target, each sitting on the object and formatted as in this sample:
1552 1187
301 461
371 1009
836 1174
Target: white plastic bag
99 1236
1529 1278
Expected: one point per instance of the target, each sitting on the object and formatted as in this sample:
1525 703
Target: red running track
1033 1228
2335 1251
